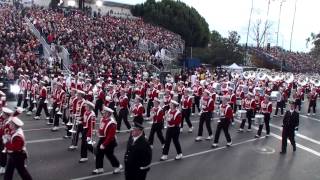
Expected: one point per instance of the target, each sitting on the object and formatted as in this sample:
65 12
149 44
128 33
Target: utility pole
293 21
246 48
282 1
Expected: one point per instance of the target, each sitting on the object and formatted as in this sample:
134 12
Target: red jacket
266 107
207 104
123 102
174 118
186 102
43 92
16 142
158 114
107 130
226 111
138 110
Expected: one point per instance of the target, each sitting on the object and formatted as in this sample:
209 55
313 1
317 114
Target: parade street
247 158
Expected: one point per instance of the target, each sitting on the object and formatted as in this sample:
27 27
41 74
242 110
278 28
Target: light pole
246 53
282 1
294 18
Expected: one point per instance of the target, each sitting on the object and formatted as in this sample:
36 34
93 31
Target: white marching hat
156 100
16 121
81 92
207 91
105 108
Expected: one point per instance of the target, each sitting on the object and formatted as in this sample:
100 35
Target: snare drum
259 118
242 114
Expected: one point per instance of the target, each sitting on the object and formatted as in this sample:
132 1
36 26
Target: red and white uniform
123 102
313 96
23 86
80 109
43 93
180 89
153 94
198 90
186 102
60 96
2 125
16 142
138 110
266 107
89 120
174 118
249 104
233 98
226 111
34 89
73 104
207 104
101 94
107 130
158 114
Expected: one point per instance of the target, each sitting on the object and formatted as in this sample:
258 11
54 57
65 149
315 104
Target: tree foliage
315 40
221 50
260 32
177 17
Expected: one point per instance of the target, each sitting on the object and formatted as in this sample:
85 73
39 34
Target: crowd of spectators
19 49
298 61
95 41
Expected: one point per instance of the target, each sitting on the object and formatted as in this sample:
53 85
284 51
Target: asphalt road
247 159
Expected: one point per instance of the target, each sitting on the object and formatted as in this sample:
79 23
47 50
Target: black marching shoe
283 152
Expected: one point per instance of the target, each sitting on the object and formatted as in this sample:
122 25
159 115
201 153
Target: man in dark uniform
138 155
290 125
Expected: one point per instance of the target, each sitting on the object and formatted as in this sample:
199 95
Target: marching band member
4 116
23 87
109 102
166 100
207 106
290 125
173 118
266 110
123 113
180 90
59 101
280 102
72 103
138 110
107 142
312 96
232 101
157 114
43 103
87 88
298 98
89 123
249 105
152 93
197 89
16 148
226 116
99 103
239 96
79 112
138 155
186 105
34 92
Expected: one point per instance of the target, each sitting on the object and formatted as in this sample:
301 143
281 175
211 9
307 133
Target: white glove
88 138
102 146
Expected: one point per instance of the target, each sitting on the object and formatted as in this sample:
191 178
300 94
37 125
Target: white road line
170 160
298 134
311 118
312 151
43 140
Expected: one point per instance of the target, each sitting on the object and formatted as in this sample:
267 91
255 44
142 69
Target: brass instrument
93 139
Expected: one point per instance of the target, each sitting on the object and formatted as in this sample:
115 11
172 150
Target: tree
260 31
221 50
315 40
177 17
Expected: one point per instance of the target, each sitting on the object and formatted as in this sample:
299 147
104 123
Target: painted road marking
170 160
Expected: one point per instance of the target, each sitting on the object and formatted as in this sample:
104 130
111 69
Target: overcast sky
229 15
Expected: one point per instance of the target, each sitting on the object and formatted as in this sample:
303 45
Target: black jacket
291 122
138 156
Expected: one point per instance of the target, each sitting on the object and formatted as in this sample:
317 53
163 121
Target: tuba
261 76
